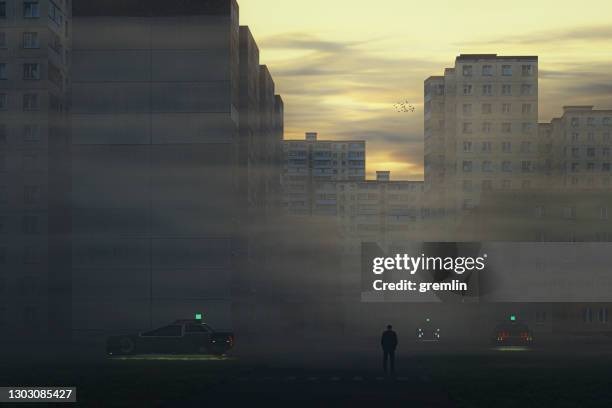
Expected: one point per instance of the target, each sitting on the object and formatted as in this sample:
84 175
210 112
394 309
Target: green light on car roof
512 318
198 316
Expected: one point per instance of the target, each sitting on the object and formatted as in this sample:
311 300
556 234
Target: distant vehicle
180 337
428 332
512 333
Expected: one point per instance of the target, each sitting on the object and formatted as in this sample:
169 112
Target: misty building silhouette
175 162
35 45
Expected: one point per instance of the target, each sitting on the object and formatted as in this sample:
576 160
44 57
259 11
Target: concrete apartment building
35 44
581 149
310 162
480 129
172 134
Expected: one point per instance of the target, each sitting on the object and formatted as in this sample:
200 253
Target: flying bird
404 107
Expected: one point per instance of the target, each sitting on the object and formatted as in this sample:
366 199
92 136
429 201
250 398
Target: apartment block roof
151 8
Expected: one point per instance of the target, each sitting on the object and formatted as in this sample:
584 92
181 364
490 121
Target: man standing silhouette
388 341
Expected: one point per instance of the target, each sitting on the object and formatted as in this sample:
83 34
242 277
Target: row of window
506 147
30 161
31 195
506 90
506 166
30 71
590 167
591 121
486 70
487 185
29 40
31 255
591 137
30 224
570 212
29 102
505 127
575 152
30 134
31 9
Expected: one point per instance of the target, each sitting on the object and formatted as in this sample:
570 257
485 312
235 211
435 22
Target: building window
3 102
590 167
527 128
506 108
487 90
506 89
527 166
506 147
507 70
467 89
526 89
590 152
526 147
3 41
31 195
590 121
603 315
487 166
527 70
539 211
30 102
31 9
3 73
486 127
2 9
603 213
30 224
31 133
605 167
569 213
467 108
540 317
507 127
486 147
587 315
467 147
507 166
3 134
467 70
467 166
467 186
607 121
31 71
575 122
30 40
3 195
467 127
526 108
487 70
487 108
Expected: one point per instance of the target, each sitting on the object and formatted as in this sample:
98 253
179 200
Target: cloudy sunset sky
341 65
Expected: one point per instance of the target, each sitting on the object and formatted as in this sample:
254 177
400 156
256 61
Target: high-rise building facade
581 149
481 129
172 157
35 45
310 162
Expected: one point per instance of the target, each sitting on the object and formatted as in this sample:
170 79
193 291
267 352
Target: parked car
182 336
